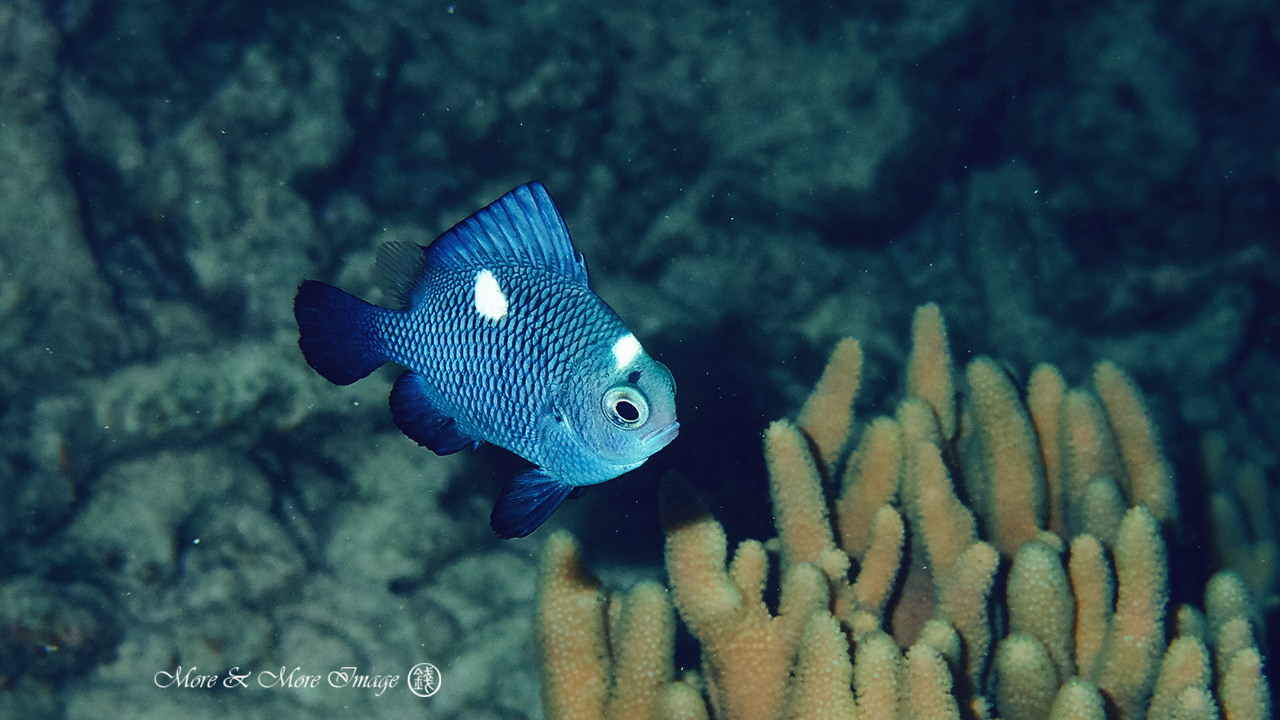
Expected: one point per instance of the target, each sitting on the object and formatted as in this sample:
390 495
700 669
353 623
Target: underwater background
749 182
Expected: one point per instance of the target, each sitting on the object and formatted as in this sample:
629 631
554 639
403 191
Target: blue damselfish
503 342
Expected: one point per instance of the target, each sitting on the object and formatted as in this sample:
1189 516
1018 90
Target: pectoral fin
526 502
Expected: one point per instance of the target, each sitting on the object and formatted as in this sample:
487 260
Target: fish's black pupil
626 411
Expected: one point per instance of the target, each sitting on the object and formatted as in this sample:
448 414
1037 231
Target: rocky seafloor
749 182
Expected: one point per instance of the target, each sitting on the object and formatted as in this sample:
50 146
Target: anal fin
417 417
526 502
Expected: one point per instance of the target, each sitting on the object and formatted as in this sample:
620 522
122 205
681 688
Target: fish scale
497 356
504 342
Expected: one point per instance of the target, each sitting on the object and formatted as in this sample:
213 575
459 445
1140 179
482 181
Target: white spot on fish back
491 302
626 349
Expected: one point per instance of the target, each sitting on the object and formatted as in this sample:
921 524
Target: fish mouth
660 438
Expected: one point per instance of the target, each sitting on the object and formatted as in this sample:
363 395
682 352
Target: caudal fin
337 332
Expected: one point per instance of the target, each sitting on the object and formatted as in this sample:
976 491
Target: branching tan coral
861 605
1028 679
1185 665
1045 391
571 610
800 510
586 673
870 482
748 653
1244 515
945 524
1135 640
1088 454
878 676
929 367
963 600
824 673
1007 485
827 416
885 609
1078 700
1092 586
682 701
928 686
1149 474
1040 603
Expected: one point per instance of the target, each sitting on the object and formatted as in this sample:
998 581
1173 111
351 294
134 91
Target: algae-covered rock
242 389
51 632
57 316
485 597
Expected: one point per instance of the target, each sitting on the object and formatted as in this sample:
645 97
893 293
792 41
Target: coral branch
1070 638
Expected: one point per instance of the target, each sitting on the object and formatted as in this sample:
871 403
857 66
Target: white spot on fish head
625 350
491 302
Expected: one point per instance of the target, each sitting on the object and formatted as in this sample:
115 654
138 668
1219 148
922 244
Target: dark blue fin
415 415
400 269
337 332
526 502
522 228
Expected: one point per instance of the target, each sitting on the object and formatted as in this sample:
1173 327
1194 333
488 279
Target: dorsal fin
399 270
522 228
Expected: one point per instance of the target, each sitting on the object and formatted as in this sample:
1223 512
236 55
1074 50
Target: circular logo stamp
424 679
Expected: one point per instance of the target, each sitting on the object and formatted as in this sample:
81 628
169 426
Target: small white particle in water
491 302
626 349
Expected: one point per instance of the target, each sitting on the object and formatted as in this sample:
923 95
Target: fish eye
625 406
